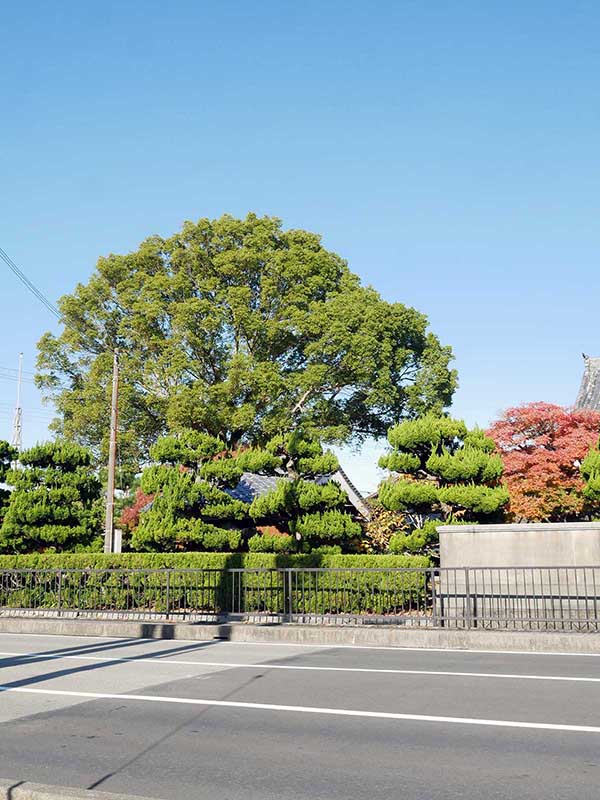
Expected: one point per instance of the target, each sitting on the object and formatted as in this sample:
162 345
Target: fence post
467 598
59 599
168 592
433 598
290 595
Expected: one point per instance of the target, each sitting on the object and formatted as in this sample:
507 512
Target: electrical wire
15 372
29 285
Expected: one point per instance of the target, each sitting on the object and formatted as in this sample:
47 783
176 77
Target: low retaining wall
334 636
548 544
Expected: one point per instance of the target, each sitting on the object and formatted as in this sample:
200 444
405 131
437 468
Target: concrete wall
551 544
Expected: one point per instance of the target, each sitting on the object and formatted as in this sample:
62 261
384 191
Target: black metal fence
516 598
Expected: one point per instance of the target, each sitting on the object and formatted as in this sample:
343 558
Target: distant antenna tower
17 435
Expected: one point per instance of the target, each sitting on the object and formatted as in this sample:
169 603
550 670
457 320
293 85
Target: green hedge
205 561
215 589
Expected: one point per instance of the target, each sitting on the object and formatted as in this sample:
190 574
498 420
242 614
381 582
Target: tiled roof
589 391
252 485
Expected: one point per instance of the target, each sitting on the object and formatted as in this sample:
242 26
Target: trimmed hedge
205 561
106 583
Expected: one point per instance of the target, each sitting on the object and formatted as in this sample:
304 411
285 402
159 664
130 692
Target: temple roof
589 391
252 485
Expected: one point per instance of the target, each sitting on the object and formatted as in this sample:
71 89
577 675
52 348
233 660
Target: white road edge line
332 646
309 668
340 712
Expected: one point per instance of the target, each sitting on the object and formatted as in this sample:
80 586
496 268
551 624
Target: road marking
332 646
340 712
310 668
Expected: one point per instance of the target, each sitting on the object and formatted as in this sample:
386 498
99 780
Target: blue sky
449 151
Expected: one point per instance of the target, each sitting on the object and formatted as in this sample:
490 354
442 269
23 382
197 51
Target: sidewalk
331 635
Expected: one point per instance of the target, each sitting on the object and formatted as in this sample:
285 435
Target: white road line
340 712
310 668
332 646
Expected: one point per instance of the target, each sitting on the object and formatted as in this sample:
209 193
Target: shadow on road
52 655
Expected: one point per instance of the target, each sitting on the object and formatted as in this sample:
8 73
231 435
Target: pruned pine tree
8 454
55 504
190 509
306 505
590 472
440 471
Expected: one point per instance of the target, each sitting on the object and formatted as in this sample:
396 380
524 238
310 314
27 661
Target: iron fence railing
517 598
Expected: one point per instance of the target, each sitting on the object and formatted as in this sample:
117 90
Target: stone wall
535 576
564 544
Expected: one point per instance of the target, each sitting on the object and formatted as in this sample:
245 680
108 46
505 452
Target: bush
214 589
417 540
221 541
267 543
197 560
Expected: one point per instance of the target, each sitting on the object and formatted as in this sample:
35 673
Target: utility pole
109 526
17 433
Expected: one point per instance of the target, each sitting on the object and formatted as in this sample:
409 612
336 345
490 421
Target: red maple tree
130 516
542 446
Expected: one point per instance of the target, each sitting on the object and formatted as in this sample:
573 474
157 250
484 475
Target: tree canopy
242 330
442 470
190 507
542 447
55 502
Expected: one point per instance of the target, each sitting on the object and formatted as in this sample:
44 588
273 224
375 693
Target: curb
23 790
301 634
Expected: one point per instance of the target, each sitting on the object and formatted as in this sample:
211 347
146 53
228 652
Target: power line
109 540
29 285
14 371
15 378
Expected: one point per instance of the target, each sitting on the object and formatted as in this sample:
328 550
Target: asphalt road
228 721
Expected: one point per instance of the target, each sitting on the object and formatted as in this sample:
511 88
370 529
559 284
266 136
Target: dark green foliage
404 495
268 543
211 591
227 471
467 464
420 435
8 454
456 467
479 501
443 470
194 560
419 540
55 504
177 519
400 462
189 498
189 448
327 526
313 511
241 329
189 504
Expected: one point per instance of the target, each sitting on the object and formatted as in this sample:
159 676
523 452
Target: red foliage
541 446
130 516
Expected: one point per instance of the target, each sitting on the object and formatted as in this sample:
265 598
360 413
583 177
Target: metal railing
515 598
